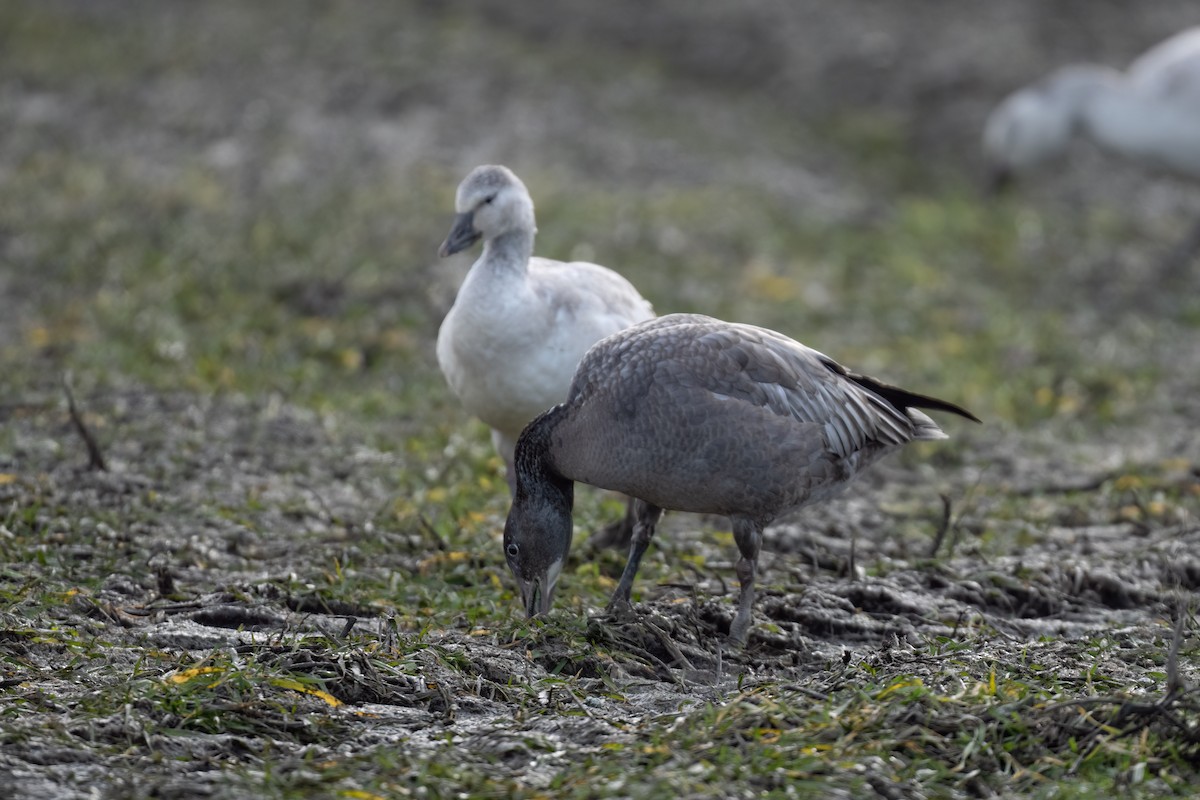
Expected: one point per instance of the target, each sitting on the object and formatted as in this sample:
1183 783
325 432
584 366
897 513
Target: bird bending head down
1149 114
690 413
1034 125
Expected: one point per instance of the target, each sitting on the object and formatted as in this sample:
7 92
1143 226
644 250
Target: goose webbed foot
739 629
748 535
620 609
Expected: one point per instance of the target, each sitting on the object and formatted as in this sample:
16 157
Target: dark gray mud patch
1076 585
238 617
317 604
822 627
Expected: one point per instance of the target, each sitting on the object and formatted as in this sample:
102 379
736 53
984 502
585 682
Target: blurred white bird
1149 114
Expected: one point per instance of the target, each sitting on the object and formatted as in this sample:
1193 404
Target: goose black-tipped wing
746 364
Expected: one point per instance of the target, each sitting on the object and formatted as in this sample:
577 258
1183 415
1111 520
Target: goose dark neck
512 249
537 475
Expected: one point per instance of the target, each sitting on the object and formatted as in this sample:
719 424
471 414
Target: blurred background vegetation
248 197
245 200
239 199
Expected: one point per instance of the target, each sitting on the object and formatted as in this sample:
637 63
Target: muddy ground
1015 606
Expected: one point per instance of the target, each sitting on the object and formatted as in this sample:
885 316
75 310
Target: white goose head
1035 124
491 203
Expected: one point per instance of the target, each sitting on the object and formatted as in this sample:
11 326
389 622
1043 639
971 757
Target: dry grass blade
95 454
943 527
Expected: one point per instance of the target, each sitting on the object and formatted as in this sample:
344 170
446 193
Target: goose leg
643 531
748 536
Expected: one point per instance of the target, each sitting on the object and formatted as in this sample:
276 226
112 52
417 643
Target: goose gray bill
690 413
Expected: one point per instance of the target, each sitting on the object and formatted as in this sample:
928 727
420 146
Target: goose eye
512 550
487 201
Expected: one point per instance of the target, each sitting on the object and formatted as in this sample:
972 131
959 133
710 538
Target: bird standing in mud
519 325
690 413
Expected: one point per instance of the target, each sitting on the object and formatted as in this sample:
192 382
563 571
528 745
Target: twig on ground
943 528
578 703
1174 682
669 645
427 527
1089 484
95 455
853 568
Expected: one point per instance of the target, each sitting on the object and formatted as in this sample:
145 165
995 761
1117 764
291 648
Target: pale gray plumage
690 413
519 325
1149 114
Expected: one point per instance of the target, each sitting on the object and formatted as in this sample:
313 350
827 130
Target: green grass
930 296
256 358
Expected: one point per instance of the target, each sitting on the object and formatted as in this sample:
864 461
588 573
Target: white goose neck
1074 87
510 250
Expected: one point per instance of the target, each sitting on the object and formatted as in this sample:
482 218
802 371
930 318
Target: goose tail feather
924 428
902 398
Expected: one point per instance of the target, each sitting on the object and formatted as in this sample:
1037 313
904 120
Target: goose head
1027 129
1035 124
537 532
491 202
537 539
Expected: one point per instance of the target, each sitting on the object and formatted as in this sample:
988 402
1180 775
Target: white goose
519 325
1149 114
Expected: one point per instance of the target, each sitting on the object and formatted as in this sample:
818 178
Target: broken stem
95 455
